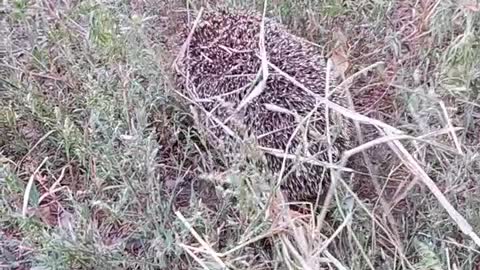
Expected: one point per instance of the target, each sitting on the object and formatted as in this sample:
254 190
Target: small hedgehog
218 70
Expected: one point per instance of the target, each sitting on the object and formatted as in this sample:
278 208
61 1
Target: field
102 166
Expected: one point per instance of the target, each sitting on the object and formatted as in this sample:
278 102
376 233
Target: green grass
88 115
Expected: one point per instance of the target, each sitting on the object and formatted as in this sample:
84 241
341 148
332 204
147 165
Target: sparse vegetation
98 153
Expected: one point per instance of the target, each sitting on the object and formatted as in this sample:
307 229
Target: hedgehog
218 69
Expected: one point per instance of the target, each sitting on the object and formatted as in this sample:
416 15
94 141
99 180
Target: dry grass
98 153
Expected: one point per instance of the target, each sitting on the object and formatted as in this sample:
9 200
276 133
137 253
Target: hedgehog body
217 71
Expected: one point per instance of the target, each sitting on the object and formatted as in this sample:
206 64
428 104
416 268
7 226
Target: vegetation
97 151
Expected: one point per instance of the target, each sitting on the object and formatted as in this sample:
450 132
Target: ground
98 154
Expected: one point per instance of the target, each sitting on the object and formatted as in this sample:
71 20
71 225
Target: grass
89 117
